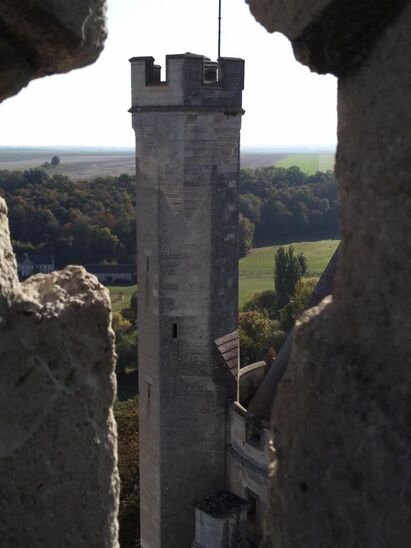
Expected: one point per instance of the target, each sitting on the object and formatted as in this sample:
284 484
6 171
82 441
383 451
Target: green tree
302 259
287 272
264 302
126 344
246 236
55 161
130 313
103 243
257 334
127 352
295 307
250 206
59 214
126 416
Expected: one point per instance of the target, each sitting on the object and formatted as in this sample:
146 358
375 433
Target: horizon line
286 147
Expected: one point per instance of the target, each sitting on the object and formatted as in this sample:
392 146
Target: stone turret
187 160
192 81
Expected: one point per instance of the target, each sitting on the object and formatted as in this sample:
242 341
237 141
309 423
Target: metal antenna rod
219 29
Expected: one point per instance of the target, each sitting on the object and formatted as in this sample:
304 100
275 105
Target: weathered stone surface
342 413
58 469
290 17
9 283
187 150
328 35
43 37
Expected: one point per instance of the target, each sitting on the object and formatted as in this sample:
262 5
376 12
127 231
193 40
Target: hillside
257 269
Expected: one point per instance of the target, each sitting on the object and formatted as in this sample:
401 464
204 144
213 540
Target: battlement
192 81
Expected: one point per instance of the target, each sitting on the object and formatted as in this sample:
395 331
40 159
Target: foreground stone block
58 466
330 36
341 430
46 37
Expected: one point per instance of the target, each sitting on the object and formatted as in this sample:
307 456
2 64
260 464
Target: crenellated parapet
191 81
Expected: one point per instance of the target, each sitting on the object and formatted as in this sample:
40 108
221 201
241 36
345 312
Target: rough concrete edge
75 48
327 45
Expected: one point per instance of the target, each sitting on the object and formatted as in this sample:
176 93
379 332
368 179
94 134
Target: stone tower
187 160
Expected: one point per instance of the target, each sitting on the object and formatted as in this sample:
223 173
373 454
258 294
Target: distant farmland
88 164
309 163
253 160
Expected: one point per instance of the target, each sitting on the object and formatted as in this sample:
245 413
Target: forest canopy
286 205
78 222
82 222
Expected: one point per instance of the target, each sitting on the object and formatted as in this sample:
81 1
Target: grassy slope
257 269
309 163
120 296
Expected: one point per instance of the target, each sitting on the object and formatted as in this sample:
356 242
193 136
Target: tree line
279 205
93 221
78 222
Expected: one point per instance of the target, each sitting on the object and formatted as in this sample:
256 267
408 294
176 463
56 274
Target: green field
309 163
257 269
120 296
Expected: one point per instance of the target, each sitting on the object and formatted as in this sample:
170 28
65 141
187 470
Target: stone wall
58 466
248 463
341 415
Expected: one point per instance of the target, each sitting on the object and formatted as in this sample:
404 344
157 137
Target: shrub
129 514
126 344
264 302
296 305
257 334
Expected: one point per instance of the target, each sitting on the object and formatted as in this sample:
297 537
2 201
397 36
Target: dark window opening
252 508
174 330
254 533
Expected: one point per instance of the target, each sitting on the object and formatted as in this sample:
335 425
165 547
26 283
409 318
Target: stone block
58 467
341 473
330 36
46 37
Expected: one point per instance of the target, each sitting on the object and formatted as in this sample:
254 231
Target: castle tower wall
187 156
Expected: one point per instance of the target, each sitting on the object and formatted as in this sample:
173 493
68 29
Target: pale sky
285 104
